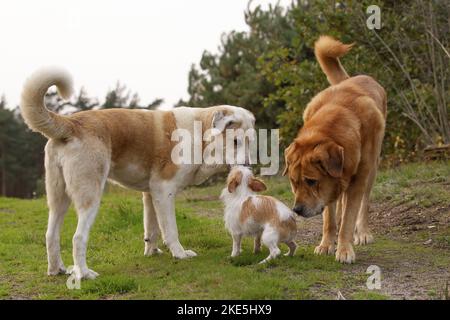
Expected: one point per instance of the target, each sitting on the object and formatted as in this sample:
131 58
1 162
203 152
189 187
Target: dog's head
315 170
235 127
241 179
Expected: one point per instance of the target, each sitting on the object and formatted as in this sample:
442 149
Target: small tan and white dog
246 214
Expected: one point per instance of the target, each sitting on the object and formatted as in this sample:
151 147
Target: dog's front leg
151 228
326 246
236 245
340 208
164 204
353 196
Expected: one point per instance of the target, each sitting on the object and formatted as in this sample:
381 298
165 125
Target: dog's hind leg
85 179
58 203
270 240
151 229
362 234
257 243
86 204
292 247
86 217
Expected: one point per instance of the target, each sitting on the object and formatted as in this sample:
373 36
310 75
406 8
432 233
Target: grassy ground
410 215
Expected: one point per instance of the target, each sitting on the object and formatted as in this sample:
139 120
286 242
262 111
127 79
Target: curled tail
32 106
328 51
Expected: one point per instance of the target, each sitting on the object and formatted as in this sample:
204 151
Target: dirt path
414 253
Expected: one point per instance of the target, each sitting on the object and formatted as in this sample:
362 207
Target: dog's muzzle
305 211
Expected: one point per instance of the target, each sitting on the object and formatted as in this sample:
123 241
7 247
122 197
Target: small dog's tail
32 106
328 51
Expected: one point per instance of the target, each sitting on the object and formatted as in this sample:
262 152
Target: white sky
147 45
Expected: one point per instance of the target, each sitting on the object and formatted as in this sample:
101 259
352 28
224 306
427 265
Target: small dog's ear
257 185
234 181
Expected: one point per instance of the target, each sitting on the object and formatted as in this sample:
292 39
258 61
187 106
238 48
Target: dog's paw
185 254
152 251
57 270
89 274
325 249
235 253
362 238
190 253
83 273
264 261
345 253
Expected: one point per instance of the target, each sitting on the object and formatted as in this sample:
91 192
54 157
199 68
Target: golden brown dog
333 161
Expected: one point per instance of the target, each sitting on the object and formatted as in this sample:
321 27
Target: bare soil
408 272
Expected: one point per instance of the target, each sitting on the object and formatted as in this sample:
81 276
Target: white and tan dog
246 214
129 147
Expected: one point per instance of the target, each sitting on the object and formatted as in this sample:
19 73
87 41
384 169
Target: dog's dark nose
299 209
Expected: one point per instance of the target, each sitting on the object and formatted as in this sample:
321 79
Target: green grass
416 184
116 251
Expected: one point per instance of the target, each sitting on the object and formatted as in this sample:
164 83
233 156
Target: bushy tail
33 108
328 51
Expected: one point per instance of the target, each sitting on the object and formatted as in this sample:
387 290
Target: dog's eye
230 124
310 182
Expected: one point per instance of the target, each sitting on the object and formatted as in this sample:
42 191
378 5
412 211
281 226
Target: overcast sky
147 45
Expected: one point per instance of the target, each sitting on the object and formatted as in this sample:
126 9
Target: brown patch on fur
169 169
138 137
87 203
234 180
265 212
207 116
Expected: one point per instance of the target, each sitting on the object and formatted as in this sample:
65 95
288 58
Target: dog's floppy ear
256 185
331 157
234 181
287 152
220 121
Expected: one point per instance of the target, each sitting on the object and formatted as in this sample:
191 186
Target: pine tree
84 102
117 98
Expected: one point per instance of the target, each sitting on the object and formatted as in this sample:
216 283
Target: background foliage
271 70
